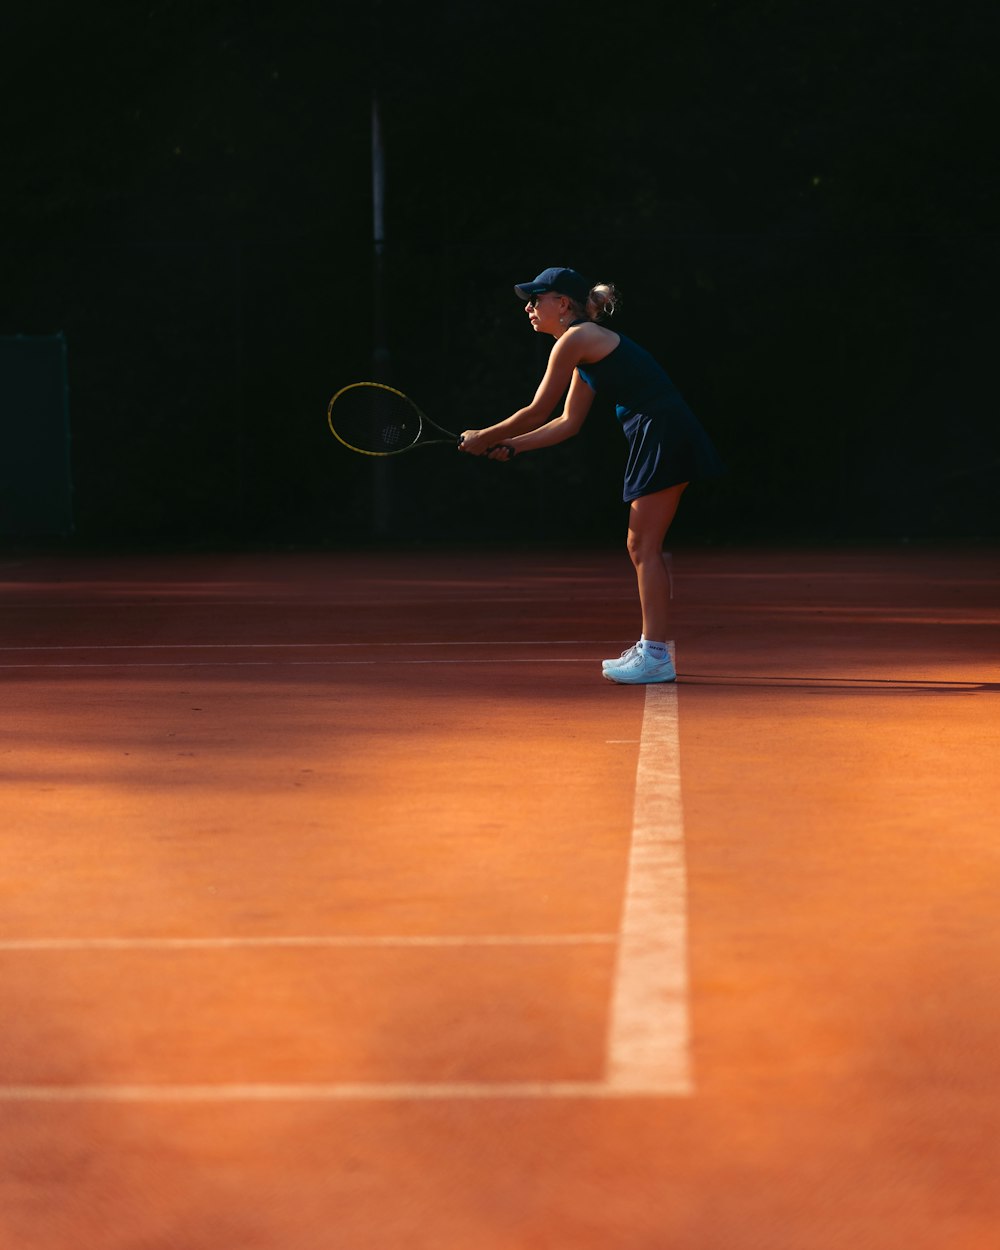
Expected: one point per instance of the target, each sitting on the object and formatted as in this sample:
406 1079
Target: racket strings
374 419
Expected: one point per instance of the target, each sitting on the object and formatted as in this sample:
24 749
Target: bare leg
649 519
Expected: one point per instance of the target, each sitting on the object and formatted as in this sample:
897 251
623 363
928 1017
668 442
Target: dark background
798 200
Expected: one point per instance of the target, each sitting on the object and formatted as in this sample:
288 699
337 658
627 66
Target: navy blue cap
562 281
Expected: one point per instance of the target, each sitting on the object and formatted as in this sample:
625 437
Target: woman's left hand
473 442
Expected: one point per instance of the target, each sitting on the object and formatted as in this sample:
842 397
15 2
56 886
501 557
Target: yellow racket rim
378 386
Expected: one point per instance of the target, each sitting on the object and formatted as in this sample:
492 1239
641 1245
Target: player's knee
640 548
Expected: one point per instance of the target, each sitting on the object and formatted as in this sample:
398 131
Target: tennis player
667 446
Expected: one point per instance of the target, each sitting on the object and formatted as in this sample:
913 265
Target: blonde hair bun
605 300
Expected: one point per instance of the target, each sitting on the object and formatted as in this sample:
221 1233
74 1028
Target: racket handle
511 452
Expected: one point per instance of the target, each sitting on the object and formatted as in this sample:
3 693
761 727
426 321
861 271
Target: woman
667 446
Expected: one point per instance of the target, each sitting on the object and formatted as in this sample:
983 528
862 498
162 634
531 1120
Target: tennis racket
377 420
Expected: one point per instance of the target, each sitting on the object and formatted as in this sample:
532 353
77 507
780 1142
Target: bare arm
574 413
559 375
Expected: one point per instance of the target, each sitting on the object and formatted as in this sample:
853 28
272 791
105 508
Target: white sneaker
641 670
626 655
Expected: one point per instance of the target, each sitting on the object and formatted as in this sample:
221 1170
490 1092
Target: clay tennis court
346 906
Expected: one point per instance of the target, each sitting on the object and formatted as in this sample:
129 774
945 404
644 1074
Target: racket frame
422 421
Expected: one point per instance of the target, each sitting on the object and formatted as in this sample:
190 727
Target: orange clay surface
290 840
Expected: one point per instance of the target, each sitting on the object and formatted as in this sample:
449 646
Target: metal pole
381 495
380 350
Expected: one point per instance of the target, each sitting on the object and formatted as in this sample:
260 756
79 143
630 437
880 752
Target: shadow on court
835 685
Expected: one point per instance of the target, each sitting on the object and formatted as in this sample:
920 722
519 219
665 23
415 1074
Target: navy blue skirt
666 448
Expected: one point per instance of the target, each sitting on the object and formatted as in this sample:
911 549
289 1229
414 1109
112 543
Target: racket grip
511 452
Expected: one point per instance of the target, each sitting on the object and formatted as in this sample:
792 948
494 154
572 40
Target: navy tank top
637 382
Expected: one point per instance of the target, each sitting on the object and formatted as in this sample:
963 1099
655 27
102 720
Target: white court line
282 646
358 1091
648 1037
506 660
349 941
648 1043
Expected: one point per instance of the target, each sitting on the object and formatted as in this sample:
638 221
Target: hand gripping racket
377 420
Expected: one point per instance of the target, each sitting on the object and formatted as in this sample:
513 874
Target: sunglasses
533 302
